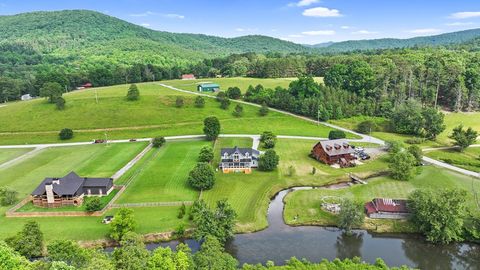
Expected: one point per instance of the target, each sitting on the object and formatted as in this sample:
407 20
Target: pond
279 242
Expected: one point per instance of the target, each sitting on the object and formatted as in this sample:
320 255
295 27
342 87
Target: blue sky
300 21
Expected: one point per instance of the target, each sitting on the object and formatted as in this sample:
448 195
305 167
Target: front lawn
164 176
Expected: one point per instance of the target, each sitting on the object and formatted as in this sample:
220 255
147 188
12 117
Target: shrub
291 171
206 154
263 111
336 134
234 93
65 134
202 177
158 142
60 103
314 170
221 96
415 140
417 153
402 165
351 215
238 112
268 139
133 93
179 102
93 204
199 102
7 196
268 161
225 103
366 127
180 231
182 211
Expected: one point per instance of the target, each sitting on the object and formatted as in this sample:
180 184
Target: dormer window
225 155
236 156
246 155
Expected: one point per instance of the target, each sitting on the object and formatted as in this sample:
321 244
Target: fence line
151 204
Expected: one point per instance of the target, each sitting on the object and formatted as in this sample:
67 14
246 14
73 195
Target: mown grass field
451 121
240 82
469 159
250 194
164 177
12 153
155 114
304 207
87 160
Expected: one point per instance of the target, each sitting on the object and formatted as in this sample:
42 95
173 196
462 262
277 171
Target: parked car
107 219
132 140
99 141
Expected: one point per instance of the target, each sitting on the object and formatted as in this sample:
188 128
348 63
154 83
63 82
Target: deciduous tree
122 223
202 177
211 128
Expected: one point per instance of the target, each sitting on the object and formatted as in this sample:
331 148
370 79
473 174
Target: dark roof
336 147
209 85
70 185
242 151
387 205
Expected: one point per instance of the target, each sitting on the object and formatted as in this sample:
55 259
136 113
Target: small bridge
357 179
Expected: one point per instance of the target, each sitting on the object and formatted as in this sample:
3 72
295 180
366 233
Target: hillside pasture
155 114
468 159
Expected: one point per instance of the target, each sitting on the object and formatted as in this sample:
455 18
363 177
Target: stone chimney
49 190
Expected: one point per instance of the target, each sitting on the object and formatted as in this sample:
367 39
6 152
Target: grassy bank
469 159
303 207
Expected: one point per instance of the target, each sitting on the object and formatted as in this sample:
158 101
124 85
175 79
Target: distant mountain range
90 35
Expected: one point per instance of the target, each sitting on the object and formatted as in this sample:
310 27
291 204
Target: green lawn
451 120
12 153
305 205
154 114
469 159
250 194
164 176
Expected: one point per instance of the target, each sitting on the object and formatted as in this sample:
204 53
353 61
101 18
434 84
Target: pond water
279 242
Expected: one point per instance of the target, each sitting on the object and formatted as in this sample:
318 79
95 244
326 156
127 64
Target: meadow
155 114
469 159
12 153
164 177
304 206
241 82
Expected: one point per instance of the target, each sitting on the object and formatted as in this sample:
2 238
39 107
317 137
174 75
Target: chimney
49 190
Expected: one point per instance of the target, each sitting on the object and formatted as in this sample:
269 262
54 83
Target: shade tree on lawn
206 154
268 139
463 138
350 215
158 142
402 165
65 134
211 128
202 177
238 111
60 103
29 241
199 102
268 161
133 93
51 91
122 223
234 93
218 222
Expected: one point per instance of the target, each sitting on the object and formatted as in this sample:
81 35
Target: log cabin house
69 190
334 152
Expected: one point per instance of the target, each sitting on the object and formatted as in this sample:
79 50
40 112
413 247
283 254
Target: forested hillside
394 43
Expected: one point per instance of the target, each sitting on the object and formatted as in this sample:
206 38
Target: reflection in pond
349 245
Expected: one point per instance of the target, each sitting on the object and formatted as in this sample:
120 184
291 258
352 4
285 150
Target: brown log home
69 190
334 152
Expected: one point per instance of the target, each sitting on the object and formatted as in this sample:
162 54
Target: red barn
334 152
387 208
188 77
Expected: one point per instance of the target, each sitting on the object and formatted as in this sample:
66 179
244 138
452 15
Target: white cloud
364 32
459 23
424 31
295 36
144 14
465 15
145 24
319 33
174 16
303 3
321 12
239 29
151 13
345 27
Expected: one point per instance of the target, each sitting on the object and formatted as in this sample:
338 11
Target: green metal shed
208 87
